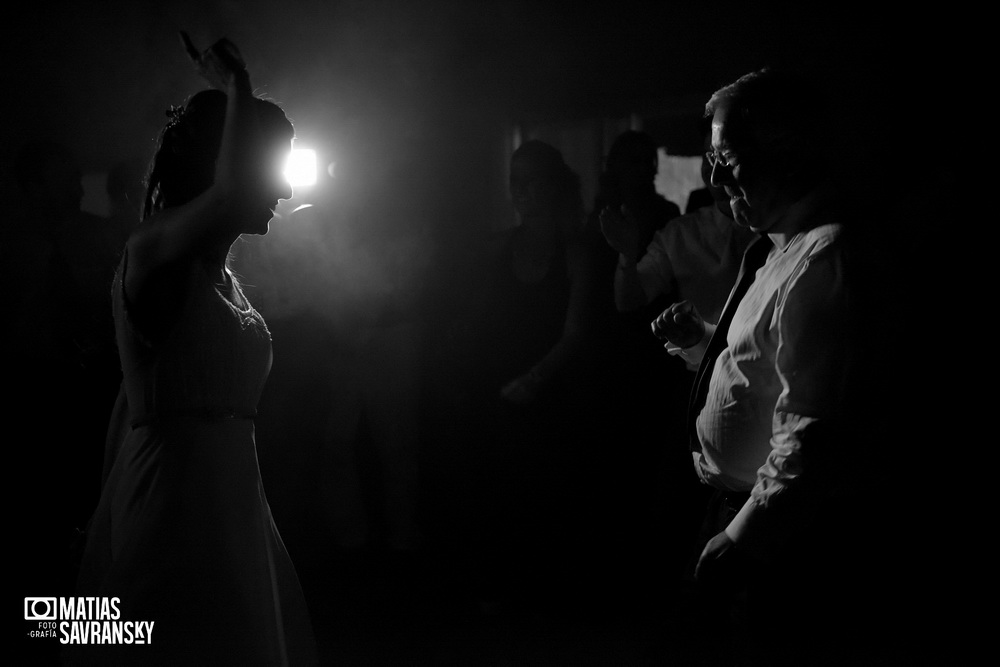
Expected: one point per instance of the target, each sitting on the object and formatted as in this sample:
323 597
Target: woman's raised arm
209 221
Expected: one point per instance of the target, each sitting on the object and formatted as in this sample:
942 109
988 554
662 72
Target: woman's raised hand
220 65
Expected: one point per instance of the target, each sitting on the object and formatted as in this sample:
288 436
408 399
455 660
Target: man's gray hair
779 112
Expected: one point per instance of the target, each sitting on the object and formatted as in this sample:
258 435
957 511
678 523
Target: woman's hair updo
184 164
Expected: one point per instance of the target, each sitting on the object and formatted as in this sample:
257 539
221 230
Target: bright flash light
301 167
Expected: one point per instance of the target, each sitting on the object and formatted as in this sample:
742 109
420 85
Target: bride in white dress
183 534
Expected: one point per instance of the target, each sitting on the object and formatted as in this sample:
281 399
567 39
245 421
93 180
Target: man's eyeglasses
721 160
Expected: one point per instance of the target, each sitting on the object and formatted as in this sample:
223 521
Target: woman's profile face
272 186
530 188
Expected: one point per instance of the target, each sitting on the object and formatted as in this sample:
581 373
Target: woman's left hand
220 64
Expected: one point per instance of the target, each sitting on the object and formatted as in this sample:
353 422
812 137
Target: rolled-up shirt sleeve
808 447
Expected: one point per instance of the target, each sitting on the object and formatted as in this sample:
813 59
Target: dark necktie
753 258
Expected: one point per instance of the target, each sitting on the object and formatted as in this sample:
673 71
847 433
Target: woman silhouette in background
183 533
519 380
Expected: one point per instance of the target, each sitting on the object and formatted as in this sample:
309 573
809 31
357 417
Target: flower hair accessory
175 114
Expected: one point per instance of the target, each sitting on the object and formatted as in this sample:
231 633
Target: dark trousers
823 603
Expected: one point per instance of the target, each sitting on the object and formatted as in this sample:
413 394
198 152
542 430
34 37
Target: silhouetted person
519 351
183 533
373 411
628 183
627 188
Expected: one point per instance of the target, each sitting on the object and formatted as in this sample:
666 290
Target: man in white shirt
770 436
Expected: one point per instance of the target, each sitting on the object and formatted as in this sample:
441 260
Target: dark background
392 82
416 102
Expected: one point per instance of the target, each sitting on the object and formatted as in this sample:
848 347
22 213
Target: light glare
301 167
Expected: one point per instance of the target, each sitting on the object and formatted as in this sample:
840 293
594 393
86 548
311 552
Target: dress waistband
194 414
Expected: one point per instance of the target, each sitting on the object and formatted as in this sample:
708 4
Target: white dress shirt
695 257
783 373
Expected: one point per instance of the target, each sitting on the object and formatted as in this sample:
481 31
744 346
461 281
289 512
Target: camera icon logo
40 609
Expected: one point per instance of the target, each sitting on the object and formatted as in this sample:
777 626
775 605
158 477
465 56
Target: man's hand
680 325
621 231
721 566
